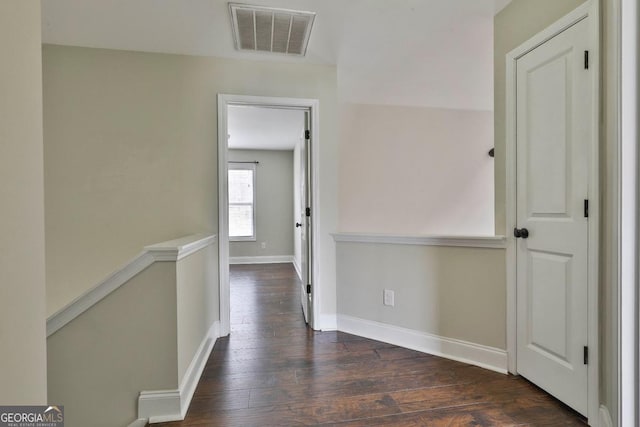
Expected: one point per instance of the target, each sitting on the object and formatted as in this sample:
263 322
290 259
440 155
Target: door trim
588 10
627 19
224 100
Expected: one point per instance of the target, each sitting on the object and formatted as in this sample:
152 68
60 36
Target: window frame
243 166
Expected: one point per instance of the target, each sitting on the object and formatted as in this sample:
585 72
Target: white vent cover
267 29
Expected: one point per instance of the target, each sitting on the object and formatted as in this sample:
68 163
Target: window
242 197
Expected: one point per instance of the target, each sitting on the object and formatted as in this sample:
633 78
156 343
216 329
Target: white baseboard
604 417
276 259
197 365
140 422
474 354
326 322
296 265
171 405
160 406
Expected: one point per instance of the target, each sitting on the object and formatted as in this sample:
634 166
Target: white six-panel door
553 133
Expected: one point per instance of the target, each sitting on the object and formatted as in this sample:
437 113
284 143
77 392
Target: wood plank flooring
274 371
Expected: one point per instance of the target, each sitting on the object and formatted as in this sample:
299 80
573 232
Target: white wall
412 170
274 204
22 272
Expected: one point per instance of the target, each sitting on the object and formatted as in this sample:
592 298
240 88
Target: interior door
554 102
305 220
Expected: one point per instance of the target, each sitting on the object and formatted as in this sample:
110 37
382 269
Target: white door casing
552 167
307 104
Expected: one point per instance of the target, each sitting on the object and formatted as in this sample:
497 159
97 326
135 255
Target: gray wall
197 302
131 154
449 292
126 343
23 376
609 238
274 204
141 337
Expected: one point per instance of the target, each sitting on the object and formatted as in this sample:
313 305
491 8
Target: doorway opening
267 167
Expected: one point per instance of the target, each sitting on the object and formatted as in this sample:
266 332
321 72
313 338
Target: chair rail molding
492 242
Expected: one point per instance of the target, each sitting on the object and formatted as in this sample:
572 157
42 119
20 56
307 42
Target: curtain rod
253 161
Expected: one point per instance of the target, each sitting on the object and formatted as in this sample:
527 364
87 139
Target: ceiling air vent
267 29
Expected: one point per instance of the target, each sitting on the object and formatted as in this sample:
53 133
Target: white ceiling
436 53
259 128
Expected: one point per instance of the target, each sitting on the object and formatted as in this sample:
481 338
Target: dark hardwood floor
274 371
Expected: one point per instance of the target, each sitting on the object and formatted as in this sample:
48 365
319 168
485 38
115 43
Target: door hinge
308 289
586 355
586 208
307 211
307 134
586 59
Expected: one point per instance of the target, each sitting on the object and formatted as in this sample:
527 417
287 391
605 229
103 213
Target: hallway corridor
274 371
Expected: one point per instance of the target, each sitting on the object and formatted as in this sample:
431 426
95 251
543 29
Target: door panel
306 298
553 98
548 302
547 158
303 238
